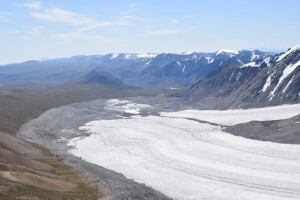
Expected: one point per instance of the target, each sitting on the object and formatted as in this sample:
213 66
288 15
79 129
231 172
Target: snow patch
227 51
254 56
130 56
148 62
115 55
251 64
287 85
286 72
209 60
267 84
187 53
267 61
295 48
147 55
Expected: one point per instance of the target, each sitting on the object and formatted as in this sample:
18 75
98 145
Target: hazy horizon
271 50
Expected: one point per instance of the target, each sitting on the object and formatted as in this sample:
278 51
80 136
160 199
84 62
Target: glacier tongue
186 158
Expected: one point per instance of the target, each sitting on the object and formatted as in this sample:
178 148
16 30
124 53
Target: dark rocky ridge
281 131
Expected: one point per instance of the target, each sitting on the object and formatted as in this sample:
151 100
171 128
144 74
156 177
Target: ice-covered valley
187 155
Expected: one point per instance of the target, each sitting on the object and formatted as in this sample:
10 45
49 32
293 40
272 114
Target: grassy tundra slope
28 171
21 103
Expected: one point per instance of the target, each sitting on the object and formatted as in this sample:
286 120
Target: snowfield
186 155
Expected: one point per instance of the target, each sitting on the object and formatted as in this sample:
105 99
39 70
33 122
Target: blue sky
59 28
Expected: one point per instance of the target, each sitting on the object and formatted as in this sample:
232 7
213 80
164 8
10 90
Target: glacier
187 155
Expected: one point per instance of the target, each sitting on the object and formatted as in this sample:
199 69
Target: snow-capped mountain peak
187 53
295 48
231 52
114 55
147 55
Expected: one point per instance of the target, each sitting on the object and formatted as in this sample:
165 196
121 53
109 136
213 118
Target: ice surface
126 106
232 117
188 159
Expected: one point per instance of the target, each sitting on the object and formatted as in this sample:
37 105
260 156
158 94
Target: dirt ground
28 171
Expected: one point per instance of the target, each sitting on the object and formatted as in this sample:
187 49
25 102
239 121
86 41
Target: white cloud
162 32
36 31
174 21
95 26
4 17
190 17
124 21
31 5
78 35
60 15
131 8
87 23
68 36
85 26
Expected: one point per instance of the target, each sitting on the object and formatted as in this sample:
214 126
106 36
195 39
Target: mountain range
276 80
135 69
223 79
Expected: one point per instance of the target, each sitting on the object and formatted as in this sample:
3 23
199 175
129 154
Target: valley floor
184 154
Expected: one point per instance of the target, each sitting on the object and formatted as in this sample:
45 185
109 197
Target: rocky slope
274 81
281 131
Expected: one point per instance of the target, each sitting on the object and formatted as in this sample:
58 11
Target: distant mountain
138 69
273 50
273 81
103 78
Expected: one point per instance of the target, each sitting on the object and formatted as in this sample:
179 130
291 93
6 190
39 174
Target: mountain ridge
275 81
149 69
